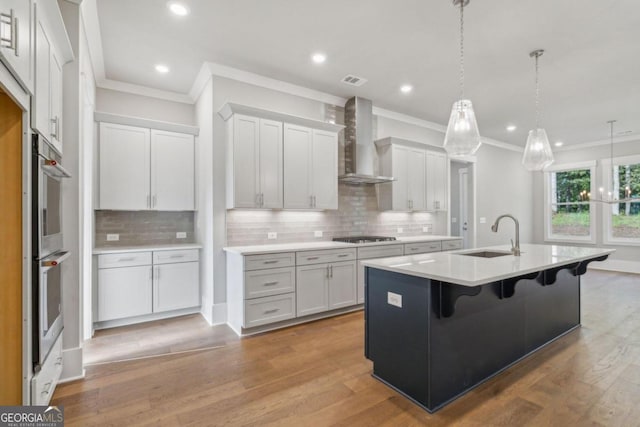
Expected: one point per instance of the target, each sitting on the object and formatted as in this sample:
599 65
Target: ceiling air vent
352 80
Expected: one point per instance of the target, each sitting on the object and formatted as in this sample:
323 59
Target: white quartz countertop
310 246
144 248
454 267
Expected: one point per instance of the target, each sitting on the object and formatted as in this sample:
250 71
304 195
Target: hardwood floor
316 374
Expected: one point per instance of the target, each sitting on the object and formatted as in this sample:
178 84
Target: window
622 220
568 214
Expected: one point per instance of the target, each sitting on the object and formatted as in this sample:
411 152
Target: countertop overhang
455 267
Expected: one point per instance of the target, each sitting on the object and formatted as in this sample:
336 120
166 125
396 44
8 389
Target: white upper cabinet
143 169
407 164
255 166
16 45
172 171
52 51
276 160
437 181
310 168
124 167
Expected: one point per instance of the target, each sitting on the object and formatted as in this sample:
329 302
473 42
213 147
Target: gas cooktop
363 239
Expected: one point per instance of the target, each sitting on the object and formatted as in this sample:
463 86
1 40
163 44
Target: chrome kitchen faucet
515 249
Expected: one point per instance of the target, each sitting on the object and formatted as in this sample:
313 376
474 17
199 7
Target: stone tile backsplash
143 227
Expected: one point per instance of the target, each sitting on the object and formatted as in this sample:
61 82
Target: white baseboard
619 265
72 368
219 314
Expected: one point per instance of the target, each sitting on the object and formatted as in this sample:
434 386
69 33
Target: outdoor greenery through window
625 216
570 209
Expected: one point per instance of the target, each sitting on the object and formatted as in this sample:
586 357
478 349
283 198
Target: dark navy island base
447 339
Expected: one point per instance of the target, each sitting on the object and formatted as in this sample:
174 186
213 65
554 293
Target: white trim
500 144
49 12
266 82
622 266
219 314
571 166
89 14
600 142
72 367
605 179
404 118
143 91
100 116
13 89
200 83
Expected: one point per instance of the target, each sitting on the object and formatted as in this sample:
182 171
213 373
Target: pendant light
612 196
462 137
537 153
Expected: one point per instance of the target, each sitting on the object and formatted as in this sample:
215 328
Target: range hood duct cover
358 144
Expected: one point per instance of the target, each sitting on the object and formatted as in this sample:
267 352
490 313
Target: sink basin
487 254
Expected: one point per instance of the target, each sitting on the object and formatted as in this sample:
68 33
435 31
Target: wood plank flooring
316 375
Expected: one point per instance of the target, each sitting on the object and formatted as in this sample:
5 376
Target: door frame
472 174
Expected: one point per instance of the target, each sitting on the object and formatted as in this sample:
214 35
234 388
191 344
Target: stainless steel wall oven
47 175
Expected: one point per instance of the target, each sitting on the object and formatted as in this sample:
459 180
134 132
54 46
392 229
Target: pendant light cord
461 49
612 186
537 94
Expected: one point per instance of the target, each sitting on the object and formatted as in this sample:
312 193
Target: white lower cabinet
136 284
323 287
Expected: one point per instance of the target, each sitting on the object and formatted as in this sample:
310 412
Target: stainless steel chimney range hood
358 144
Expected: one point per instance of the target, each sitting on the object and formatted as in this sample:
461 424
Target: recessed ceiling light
406 88
511 128
559 144
178 8
162 68
319 58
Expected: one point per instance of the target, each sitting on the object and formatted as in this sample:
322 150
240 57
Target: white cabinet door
172 171
246 148
176 286
124 292
298 151
41 102
16 46
417 180
312 289
436 181
124 167
342 284
56 102
325 170
270 165
400 187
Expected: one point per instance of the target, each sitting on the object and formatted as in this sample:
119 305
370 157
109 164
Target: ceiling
590 72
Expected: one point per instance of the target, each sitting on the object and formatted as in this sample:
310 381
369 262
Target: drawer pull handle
176 256
271 262
413 249
273 310
125 259
311 258
343 255
270 283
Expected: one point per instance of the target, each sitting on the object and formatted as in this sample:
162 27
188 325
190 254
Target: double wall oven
48 251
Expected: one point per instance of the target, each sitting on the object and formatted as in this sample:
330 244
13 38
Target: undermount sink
487 254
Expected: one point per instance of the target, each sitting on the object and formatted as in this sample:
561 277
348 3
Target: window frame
548 236
605 178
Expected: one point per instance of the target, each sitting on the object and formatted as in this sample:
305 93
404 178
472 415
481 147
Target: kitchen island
438 325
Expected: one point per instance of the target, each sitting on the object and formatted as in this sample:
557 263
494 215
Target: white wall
387 127
623 253
128 104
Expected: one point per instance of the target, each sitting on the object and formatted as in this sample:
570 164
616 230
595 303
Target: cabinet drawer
448 245
265 310
44 382
382 251
257 262
319 257
422 248
129 259
181 255
275 281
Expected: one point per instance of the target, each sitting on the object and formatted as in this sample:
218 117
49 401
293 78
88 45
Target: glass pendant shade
462 137
537 152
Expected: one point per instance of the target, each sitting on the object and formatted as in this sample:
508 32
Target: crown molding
599 142
500 144
393 115
143 90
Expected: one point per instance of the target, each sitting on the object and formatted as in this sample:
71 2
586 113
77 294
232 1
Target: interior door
11 251
172 171
464 206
